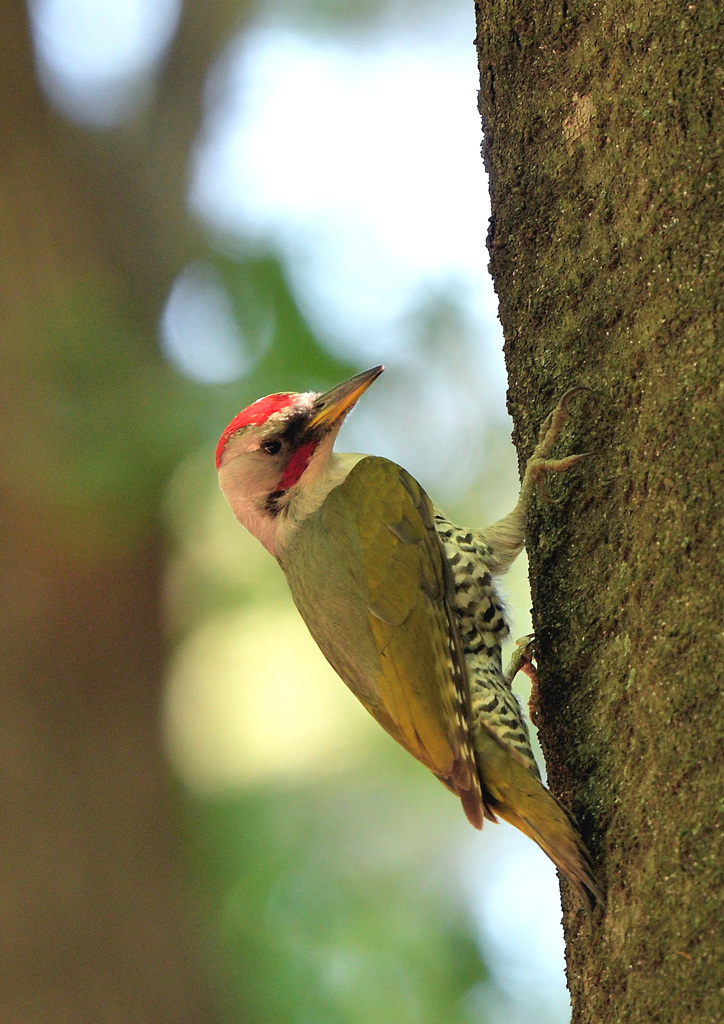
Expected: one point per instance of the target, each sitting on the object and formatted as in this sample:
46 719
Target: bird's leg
506 538
522 660
539 465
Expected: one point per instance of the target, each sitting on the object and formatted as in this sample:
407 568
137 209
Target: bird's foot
539 465
523 660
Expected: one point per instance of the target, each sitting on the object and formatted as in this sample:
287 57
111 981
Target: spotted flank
472 799
483 628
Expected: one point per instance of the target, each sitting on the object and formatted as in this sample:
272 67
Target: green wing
369 576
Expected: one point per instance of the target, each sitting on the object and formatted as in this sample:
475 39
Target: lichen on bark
603 142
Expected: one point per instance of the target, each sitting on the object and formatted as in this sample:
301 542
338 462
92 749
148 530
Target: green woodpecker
401 602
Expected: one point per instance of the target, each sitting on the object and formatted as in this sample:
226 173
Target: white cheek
249 477
246 484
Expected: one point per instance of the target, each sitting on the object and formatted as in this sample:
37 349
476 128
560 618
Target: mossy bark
603 139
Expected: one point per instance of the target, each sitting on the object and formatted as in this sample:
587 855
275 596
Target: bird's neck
302 501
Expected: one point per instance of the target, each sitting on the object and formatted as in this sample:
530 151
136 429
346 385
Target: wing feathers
370 561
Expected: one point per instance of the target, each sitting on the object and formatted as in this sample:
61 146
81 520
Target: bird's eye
271 446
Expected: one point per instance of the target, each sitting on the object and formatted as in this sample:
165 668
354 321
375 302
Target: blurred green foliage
327 912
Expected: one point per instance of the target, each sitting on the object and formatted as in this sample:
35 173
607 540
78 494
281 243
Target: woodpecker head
275 458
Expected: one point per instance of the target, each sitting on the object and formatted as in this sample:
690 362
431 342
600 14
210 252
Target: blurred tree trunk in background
94 925
603 142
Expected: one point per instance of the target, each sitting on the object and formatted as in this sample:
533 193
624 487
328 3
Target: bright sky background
357 156
362 162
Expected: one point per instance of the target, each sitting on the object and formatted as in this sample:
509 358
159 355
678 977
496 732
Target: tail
511 791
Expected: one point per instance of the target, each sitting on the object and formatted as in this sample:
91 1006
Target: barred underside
483 628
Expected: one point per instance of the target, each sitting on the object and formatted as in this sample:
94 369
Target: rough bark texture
603 138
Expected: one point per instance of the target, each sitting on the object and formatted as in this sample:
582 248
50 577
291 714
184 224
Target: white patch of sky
199 332
95 57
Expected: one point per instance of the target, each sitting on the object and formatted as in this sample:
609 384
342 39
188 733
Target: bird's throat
296 465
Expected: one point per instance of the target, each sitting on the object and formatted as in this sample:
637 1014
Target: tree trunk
603 140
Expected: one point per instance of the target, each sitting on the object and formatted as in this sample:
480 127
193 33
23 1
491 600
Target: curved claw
539 465
576 390
553 423
522 658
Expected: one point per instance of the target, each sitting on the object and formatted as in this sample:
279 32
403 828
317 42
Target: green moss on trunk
603 143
